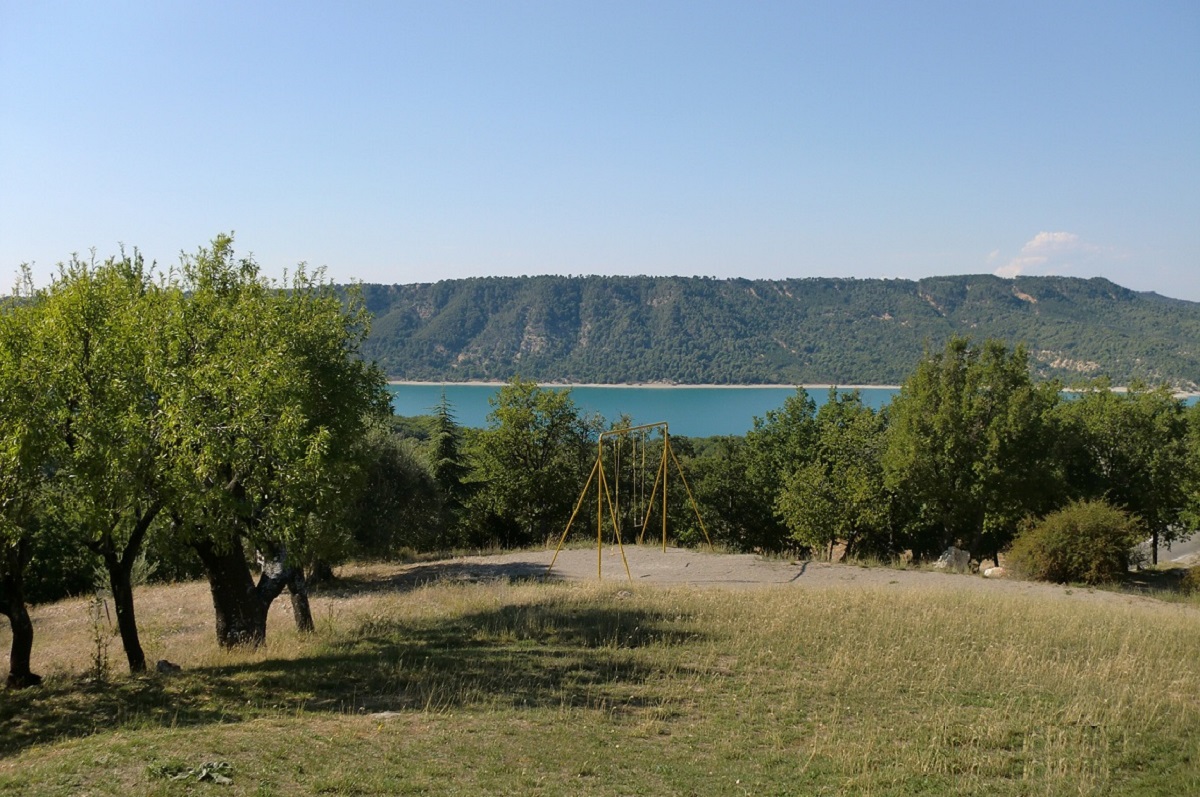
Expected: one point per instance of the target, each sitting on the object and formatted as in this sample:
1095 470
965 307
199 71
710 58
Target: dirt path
649 565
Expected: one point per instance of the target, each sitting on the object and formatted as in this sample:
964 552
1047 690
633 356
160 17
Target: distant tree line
969 451
968 454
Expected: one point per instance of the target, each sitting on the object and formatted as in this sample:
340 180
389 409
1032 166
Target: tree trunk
278 573
301 611
322 573
241 614
1154 547
120 581
19 673
122 591
12 606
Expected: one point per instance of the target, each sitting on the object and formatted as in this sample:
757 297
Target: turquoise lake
690 411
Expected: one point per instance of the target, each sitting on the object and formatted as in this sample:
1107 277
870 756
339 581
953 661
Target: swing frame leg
603 494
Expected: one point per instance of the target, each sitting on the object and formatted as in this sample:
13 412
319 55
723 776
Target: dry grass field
478 678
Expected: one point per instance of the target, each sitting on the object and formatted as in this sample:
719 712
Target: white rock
954 559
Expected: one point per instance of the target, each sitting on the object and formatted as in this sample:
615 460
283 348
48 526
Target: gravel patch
699 568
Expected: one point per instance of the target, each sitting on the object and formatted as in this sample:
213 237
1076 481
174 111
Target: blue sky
415 141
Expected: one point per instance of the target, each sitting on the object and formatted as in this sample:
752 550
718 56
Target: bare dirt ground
699 568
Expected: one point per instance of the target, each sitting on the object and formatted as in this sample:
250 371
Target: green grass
522 688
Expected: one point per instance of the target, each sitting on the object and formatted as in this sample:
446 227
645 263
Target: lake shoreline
648 385
1182 394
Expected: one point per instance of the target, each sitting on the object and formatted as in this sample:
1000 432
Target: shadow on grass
417 576
1155 581
529 656
65 709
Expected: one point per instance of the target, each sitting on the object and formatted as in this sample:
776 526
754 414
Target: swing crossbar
620 432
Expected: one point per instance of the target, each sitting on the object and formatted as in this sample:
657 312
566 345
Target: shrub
1190 584
1087 541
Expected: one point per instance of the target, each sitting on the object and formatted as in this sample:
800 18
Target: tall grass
523 688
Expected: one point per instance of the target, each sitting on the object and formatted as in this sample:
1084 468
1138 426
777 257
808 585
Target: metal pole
692 498
666 452
600 511
578 504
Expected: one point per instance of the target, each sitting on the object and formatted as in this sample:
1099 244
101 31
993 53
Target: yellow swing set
604 496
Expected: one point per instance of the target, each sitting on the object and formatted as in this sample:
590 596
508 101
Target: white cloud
1052 242
1045 253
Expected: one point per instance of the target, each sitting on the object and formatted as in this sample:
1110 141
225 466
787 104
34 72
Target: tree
1191 515
264 412
26 468
779 445
839 496
532 461
449 467
967 456
1131 449
97 327
398 502
731 505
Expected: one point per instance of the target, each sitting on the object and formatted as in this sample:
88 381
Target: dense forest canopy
800 331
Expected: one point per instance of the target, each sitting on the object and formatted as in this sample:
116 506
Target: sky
401 142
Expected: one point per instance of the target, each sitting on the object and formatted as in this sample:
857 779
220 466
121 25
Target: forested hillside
738 331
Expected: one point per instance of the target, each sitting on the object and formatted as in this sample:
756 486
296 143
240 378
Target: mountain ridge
814 330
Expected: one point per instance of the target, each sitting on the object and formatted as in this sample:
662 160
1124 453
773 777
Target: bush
1190 584
1086 541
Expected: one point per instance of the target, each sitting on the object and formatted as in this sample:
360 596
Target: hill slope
738 331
